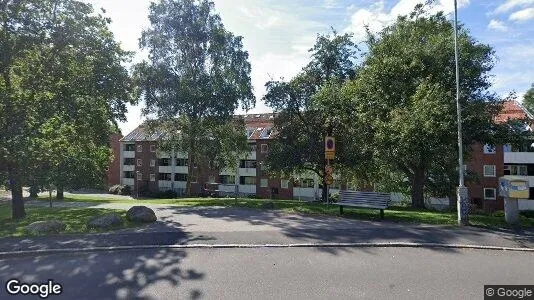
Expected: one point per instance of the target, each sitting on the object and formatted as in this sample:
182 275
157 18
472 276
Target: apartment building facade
146 169
489 162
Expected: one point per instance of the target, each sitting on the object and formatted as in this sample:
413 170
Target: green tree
63 87
528 99
405 93
196 76
308 109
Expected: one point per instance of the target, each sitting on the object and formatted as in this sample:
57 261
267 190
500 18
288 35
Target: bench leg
340 210
381 214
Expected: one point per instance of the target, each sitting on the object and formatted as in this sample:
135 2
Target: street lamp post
461 192
137 184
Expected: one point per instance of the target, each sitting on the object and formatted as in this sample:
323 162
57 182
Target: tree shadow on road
327 229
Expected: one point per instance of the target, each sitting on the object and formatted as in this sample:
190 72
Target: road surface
268 273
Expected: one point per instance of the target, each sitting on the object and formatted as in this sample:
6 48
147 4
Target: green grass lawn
397 214
75 219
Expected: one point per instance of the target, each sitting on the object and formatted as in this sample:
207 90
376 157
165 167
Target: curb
247 246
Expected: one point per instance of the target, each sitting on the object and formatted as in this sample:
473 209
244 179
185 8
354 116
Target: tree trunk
60 195
34 191
324 190
418 183
17 207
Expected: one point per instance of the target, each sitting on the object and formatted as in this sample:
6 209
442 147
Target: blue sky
278 33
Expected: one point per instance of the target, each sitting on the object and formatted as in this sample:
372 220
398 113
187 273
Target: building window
129 147
164 162
152 148
251 164
247 180
264 182
227 179
164 176
180 177
506 169
152 177
129 161
152 162
139 148
262 166
307 183
507 148
489 149
181 162
252 147
129 174
489 171
520 170
139 176
264 148
284 183
139 162
489 194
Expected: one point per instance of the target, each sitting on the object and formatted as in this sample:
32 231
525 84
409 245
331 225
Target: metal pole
461 192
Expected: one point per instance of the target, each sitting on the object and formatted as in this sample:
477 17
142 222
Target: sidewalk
224 226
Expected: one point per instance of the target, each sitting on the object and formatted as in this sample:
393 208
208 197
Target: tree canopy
197 74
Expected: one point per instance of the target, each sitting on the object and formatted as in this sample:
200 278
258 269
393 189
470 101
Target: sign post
329 153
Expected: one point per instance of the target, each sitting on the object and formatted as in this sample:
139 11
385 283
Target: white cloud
511 4
376 17
330 4
523 15
497 25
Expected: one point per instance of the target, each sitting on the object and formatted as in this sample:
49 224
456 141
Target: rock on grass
45 227
141 214
105 221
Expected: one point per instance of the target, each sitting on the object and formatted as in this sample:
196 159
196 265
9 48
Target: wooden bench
364 200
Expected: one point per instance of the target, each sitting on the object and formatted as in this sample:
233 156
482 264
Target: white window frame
152 148
494 193
489 149
493 174
139 148
139 176
152 177
152 162
139 162
264 182
264 148
284 183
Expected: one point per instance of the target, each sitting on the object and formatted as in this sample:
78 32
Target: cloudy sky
278 33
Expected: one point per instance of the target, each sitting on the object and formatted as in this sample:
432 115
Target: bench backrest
367 198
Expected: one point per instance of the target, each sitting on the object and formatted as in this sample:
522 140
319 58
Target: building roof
141 134
258 126
513 110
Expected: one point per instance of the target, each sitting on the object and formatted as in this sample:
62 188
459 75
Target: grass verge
75 219
396 214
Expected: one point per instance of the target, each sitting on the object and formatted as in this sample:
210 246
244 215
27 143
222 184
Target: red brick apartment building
146 169
490 162
140 165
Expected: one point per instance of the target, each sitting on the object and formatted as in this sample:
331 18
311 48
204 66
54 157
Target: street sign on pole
328 170
329 179
329 147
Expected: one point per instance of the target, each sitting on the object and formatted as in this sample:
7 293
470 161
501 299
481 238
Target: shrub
126 190
498 213
528 213
166 194
334 198
114 189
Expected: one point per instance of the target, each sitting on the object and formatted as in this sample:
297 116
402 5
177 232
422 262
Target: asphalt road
267 273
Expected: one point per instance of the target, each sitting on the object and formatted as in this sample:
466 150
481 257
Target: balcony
247 171
519 157
128 154
128 168
128 181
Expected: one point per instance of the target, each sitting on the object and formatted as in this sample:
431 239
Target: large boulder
45 227
105 221
141 214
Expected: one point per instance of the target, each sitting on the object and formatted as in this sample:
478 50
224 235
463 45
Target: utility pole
461 192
